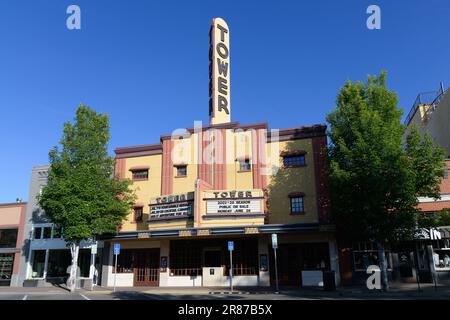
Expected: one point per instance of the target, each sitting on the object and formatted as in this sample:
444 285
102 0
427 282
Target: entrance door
146 267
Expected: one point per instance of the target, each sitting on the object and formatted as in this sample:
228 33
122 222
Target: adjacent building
45 257
12 221
200 188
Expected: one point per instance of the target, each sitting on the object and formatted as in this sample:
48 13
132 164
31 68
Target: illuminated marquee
219 76
233 202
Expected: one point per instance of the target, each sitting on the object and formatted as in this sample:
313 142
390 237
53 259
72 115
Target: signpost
231 248
275 246
116 253
93 253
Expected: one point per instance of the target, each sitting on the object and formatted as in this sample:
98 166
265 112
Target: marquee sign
233 206
233 202
172 206
219 72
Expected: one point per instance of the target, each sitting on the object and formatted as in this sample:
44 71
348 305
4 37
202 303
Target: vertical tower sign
219 72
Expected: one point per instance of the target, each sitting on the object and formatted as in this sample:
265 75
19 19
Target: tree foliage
374 180
82 194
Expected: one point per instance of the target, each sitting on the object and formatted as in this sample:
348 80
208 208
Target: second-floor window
245 165
294 160
181 171
297 203
138 214
8 238
140 174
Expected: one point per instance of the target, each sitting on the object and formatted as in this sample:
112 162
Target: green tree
374 181
82 196
427 160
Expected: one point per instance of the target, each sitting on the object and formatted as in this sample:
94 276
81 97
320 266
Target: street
157 293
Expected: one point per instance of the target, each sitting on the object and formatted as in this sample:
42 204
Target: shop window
181 171
441 254
245 258
245 165
366 254
38 263
8 238
58 263
138 214
294 161
84 262
185 258
47 234
297 203
6 267
124 262
140 174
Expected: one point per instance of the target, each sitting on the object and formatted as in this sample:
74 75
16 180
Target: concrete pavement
397 291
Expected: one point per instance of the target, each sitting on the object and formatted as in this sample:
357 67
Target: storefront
49 258
12 219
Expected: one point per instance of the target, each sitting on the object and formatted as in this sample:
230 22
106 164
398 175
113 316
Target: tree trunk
383 267
72 281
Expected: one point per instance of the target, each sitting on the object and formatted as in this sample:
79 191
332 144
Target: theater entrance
146 267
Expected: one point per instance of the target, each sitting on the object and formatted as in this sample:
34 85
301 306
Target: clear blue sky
145 63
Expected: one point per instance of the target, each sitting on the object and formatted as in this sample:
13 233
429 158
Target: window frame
178 167
246 162
141 216
292 197
137 171
292 155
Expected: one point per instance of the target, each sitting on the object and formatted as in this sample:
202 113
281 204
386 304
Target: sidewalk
396 291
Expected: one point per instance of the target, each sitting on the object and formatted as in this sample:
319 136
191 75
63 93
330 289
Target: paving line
25 297
84 296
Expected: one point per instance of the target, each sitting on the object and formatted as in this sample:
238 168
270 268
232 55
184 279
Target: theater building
201 187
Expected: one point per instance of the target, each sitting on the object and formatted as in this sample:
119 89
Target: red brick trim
167 168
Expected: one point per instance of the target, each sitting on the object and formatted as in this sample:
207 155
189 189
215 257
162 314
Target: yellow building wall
144 189
185 152
287 180
239 145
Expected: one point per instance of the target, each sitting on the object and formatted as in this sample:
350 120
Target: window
6 268
366 254
245 165
37 233
8 238
47 232
140 174
138 213
446 173
124 262
58 262
245 258
38 263
294 160
181 171
297 203
185 258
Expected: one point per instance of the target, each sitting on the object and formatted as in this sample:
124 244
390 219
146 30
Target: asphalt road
126 295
